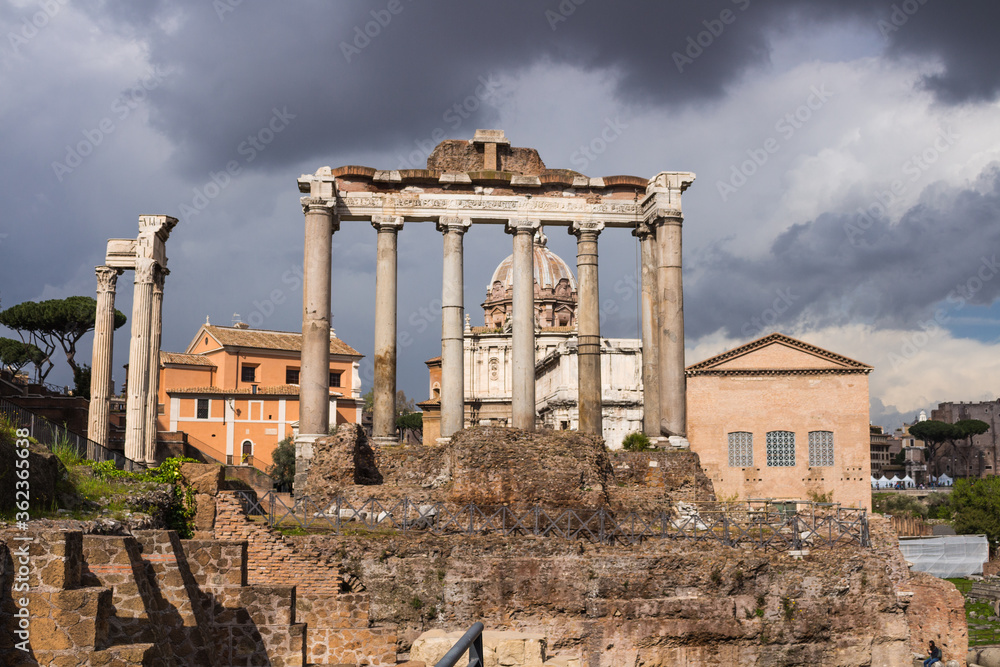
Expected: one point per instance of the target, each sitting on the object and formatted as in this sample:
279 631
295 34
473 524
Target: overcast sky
847 155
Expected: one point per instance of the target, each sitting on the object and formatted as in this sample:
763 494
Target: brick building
235 391
984 456
780 418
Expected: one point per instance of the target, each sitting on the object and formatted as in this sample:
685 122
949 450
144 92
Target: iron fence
471 641
49 433
756 525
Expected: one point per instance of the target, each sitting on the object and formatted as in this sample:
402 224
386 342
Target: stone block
500 648
203 477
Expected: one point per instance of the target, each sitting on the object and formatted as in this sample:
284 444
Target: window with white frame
780 449
202 408
820 448
741 449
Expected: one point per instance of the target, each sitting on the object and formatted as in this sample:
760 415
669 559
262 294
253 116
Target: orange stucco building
780 418
235 391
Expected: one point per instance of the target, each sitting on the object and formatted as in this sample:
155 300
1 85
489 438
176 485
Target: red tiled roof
264 339
275 390
185 359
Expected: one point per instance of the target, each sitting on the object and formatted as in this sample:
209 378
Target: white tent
944 480
908 482
947 555
874 482
883 483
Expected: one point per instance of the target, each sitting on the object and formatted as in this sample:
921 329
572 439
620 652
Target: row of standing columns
662 325
145 255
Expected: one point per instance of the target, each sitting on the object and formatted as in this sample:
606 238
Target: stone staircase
149 599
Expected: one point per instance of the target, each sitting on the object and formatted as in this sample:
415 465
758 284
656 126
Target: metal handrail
48 432
471 641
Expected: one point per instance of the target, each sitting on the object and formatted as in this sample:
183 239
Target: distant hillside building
984 457
780 418
235 391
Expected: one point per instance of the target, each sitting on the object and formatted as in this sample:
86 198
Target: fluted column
138 360
523 315
452 338
670 305
314 374
152 395
101 361
588 317
650 327
384 409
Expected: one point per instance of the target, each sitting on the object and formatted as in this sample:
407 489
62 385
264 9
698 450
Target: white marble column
523 315
650 327
101 362
670 307
314 374
138 360
452 315
588 318
152 395
384 409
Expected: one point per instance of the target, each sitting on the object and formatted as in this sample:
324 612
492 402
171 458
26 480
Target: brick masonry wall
338 624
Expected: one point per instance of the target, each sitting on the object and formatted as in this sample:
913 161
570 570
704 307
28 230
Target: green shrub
636 442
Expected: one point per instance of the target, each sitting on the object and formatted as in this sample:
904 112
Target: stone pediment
779 354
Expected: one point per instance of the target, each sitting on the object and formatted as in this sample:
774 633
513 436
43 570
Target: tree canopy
976 505
283 470
15 355
46 324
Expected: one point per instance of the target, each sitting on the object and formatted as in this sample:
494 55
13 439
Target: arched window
820 448
780 449
741 449
247 456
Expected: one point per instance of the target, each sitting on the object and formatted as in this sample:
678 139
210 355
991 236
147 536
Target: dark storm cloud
838 269
350 91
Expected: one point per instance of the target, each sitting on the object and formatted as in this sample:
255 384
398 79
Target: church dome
550 268
555 289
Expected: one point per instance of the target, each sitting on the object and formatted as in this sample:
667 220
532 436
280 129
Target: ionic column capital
318 205
107 278
387 223
580 227
662 218
452 223
522 226
642 231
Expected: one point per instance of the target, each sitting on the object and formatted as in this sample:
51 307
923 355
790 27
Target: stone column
523 315
152 396
314 373
138 360
384 410
588 319
452 332
101 362
673 384
650 327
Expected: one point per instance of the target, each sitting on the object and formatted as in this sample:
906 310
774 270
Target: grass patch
981 630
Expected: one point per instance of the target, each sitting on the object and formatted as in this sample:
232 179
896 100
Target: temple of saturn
487 181
146 256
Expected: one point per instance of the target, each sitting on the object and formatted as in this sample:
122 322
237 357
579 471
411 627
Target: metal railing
49 433
757 525
471 641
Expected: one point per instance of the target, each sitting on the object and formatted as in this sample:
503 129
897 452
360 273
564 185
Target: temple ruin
146 256
487 181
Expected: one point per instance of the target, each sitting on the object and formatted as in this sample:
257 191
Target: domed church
488 351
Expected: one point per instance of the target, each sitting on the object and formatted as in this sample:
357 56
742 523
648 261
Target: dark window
291 376
741 449
161 409
780 449
249 373
335 379
202 408
820 448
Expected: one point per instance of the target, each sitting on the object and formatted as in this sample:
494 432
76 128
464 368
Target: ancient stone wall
338 622
153 600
